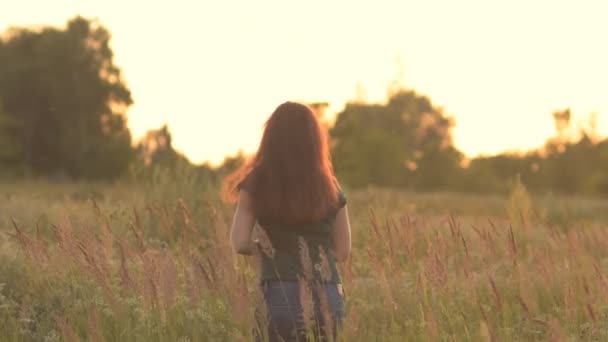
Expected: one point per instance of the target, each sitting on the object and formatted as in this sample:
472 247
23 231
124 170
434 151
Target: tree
406 142
156 149
497 173
70 99
562 124
564 165
9 148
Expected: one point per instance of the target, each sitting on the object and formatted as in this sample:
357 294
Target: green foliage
561 166
359 136
519 205
405 143
63 103
166 173
10 149
69 99
156 149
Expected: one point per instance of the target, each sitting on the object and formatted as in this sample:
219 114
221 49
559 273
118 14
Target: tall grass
130 263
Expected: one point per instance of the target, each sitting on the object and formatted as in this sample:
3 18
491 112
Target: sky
215 70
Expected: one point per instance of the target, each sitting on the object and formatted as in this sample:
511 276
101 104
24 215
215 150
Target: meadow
152 262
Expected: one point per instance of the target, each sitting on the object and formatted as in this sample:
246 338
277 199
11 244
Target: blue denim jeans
284 319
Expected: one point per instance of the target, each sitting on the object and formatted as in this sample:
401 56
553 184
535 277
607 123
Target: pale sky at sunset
214 70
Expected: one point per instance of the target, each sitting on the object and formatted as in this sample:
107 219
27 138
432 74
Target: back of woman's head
290 179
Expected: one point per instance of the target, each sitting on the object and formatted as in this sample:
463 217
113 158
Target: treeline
63 106
407 143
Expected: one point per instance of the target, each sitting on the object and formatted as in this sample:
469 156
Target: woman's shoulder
341 195
245 184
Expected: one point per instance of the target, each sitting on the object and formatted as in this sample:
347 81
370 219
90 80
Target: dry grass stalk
96 246
141 245
486 321
39 237
35 249
192 287
148 282
305 260
454 228
574 243
591 312
484 331
554 233
485 239
408 237
512 246
66 330
103 279
431 325
137 227
569 302
603 282
261 315
586 287
525 306
189 235
421 286
374 222
391 248
168 280
106 231
94 325
467 267
556 334
186 217
127 282
164 215
497 232
442 246
546 270
354 323
306 302
479 232
497 296
382 280
328 321
323 266
522 218
490 240
68 246
436 271
213 272
590 298
263 241
239 299
221 241
346 270
205 275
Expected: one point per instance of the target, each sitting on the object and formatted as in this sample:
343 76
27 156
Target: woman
288 189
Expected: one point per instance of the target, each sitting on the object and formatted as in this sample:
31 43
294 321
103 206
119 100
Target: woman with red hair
289 190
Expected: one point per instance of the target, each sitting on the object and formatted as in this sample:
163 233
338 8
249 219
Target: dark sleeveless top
287 262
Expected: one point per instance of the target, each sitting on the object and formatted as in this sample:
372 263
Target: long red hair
290 178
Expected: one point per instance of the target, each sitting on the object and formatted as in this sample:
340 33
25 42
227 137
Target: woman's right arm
242 225
342 235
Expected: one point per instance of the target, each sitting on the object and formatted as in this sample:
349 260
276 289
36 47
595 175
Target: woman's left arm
242 225
342 235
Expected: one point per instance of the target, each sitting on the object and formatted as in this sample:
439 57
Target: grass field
128 262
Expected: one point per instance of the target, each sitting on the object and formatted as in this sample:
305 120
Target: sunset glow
215 70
